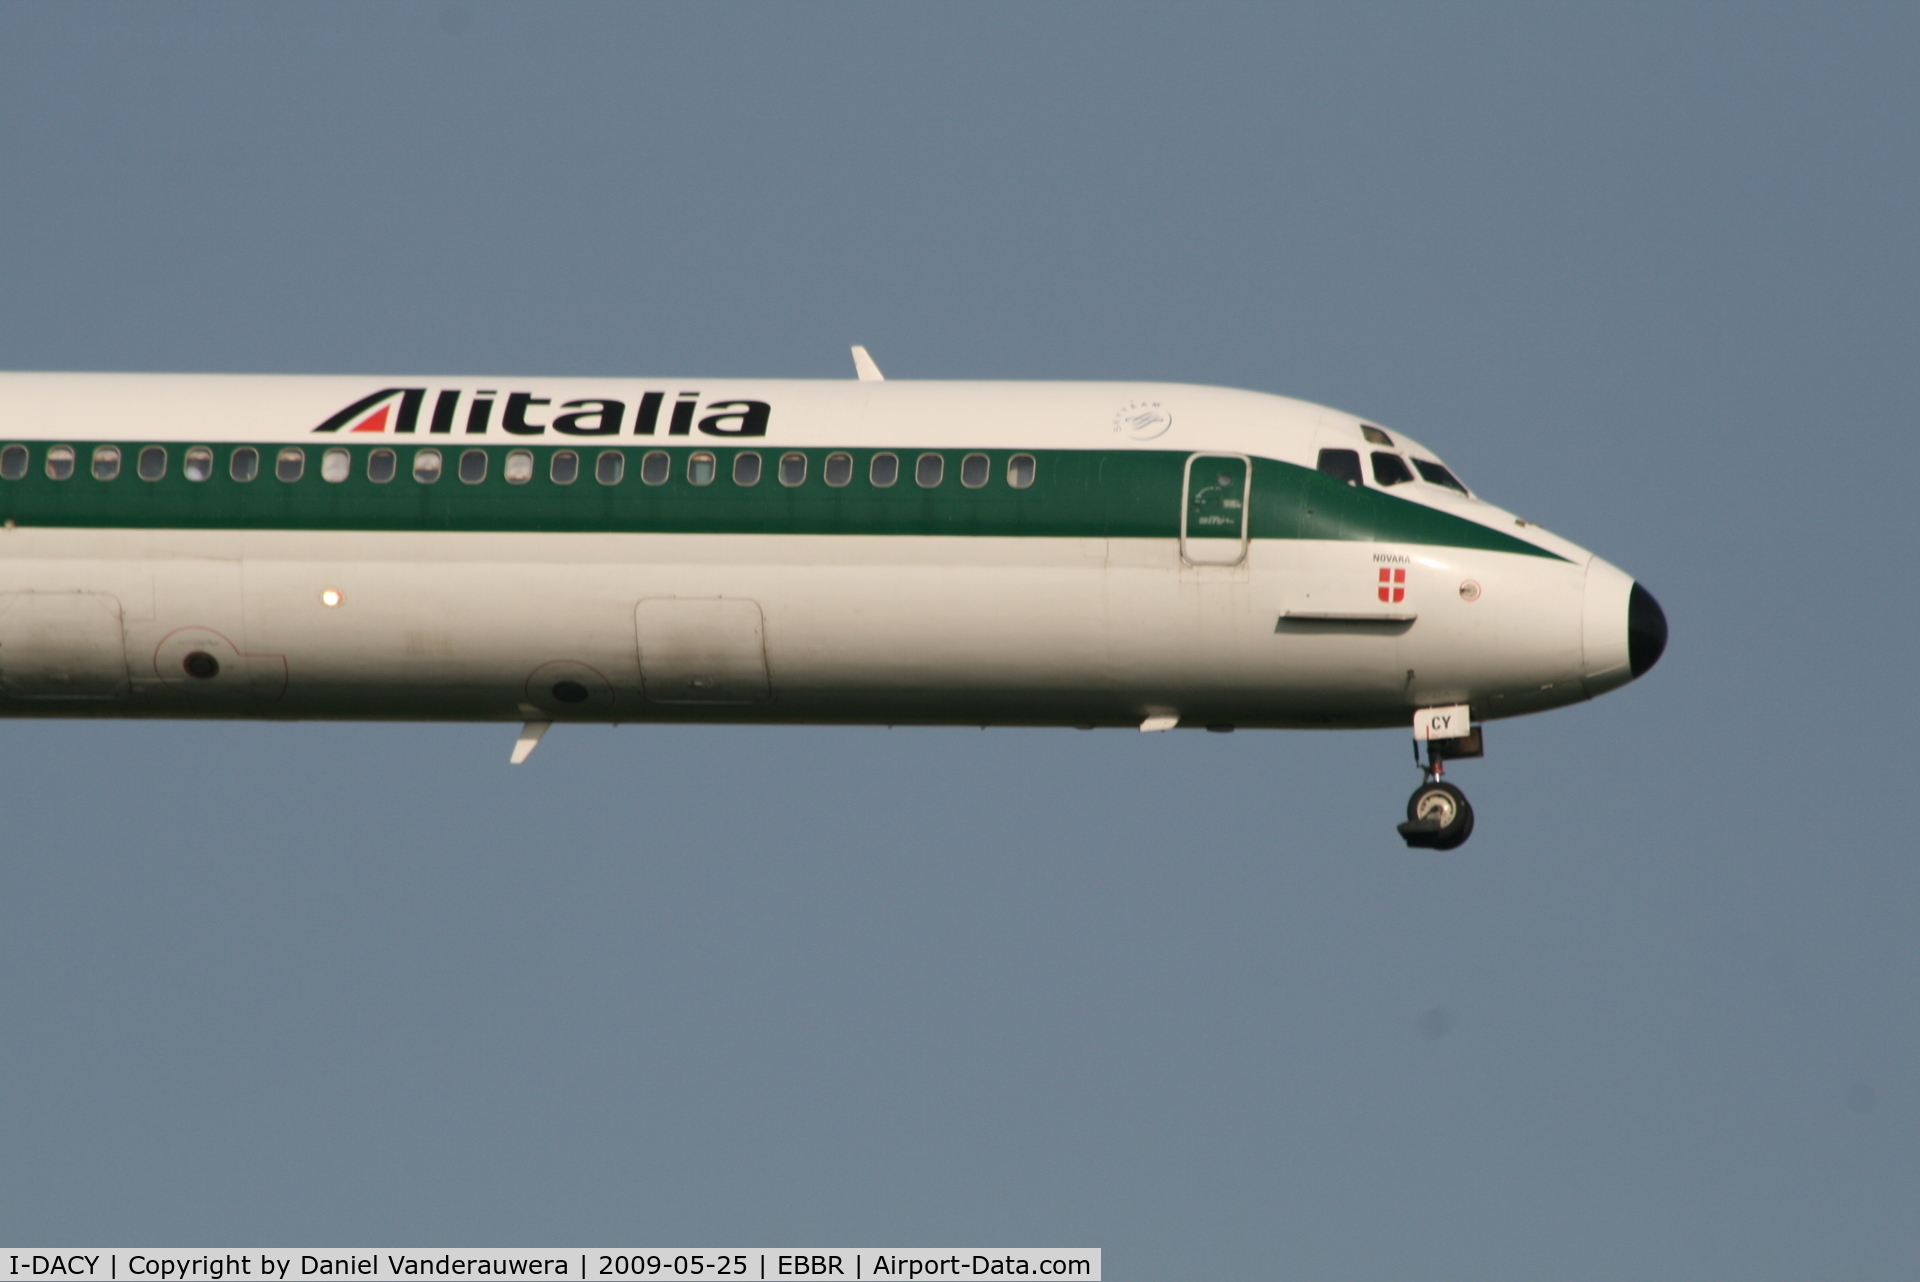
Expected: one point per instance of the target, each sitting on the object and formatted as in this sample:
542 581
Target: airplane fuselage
624 550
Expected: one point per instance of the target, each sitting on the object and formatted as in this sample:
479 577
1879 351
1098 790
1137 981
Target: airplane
847 551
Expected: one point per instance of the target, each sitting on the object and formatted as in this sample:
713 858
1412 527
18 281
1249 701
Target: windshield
1435 474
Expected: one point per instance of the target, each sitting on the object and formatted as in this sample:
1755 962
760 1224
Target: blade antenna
530 735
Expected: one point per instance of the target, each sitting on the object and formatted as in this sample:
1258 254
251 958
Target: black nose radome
1646 631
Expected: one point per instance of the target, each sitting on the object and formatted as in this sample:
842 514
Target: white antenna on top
864 367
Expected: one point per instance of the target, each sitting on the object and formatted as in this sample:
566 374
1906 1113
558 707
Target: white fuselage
1094 595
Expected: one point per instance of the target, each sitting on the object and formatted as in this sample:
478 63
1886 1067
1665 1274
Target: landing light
332 597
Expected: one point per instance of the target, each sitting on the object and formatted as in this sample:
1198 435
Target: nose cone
1646 631
1623 629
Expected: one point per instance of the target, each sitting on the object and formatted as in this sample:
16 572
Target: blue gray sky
1645 274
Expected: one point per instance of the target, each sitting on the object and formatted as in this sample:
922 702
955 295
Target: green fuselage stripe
1074 494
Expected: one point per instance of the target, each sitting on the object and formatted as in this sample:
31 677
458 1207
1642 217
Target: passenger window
336 465
700 469
746 468
426 466
473 466
198 465
838 470
1390 469
657 467
290 464
60 462
106 462
793 469
1020 471
610 467
974 470
244 464
1375 436
565 468
381 465
152 464
1434 474
928 470
519 469
1341 465
884 471
13 462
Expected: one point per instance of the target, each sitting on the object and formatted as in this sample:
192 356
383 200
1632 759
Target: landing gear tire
1438 817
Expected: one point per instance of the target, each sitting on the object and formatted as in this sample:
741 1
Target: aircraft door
62 645
1213 518
702 650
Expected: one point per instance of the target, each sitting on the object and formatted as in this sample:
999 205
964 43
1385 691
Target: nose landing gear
1439 816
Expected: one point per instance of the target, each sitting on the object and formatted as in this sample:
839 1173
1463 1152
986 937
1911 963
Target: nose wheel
1439 817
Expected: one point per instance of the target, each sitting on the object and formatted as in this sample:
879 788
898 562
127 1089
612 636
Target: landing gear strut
1439 816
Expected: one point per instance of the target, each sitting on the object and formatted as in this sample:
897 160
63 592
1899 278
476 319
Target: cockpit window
1390 469
1374 435
1434 474
1341 465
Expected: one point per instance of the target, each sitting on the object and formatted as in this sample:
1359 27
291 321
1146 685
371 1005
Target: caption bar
366 1264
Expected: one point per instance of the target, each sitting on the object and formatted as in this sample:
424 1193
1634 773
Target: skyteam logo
398 410
1143 420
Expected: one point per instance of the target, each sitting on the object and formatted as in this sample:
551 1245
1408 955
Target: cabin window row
564 466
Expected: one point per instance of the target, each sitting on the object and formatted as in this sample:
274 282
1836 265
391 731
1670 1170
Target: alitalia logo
398 409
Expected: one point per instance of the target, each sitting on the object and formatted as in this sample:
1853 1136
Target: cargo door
1213 522
62 645
702 650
